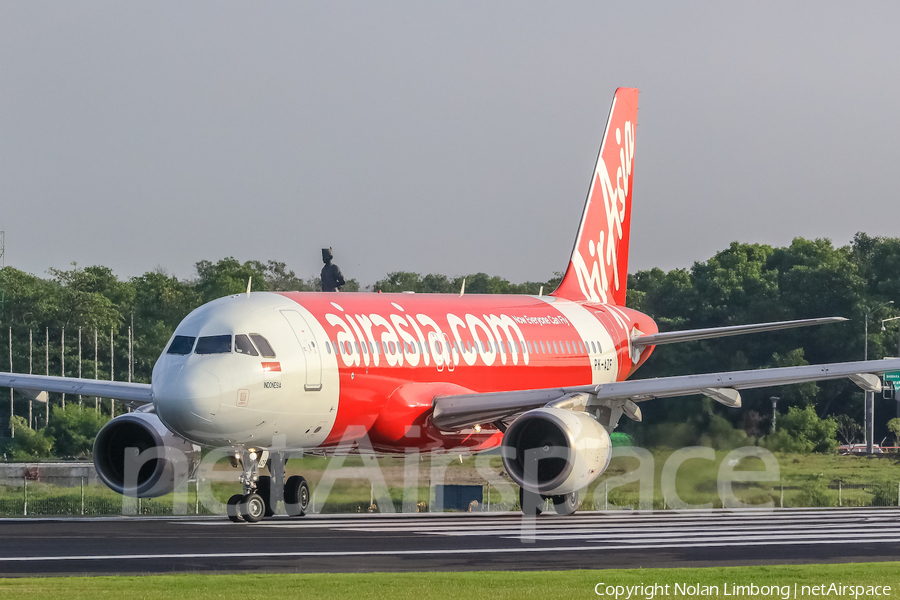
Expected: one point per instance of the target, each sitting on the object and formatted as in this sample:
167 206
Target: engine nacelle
565 450
163 460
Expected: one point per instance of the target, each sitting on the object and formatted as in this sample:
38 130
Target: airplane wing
36 386
457 412
672 337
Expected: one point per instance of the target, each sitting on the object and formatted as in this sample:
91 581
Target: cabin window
568 347
182 344
243 345
263 344
214 344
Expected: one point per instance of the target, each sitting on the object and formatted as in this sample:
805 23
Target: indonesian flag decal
598 269
268 367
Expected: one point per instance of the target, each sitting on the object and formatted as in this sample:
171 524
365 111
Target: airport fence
88 497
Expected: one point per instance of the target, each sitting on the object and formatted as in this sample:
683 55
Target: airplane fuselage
344 366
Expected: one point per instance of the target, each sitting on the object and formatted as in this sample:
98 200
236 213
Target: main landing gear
263 492
532 503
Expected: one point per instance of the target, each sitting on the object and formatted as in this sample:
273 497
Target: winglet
249 279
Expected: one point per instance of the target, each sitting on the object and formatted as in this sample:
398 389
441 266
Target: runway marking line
444 551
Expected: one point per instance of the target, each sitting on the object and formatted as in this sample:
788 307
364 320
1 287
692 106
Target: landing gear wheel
264 489
253 509
524 496
566 504
233 508
296 496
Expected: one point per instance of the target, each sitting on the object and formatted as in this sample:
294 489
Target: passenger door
310 346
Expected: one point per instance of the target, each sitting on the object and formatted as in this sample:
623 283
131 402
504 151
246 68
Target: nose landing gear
249 506
258 500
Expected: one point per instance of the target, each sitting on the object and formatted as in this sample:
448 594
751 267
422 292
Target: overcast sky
449 137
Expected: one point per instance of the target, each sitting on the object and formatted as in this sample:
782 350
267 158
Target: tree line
744 283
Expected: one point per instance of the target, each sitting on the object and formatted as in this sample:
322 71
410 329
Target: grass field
540 585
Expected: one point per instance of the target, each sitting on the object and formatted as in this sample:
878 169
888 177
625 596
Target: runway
448 541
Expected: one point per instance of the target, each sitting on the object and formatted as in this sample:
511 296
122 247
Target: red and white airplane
542 376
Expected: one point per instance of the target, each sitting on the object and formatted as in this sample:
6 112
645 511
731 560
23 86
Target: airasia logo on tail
601 263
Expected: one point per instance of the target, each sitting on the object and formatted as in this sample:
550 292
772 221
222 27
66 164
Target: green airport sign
894 377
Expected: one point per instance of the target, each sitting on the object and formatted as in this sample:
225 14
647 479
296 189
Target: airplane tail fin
598 269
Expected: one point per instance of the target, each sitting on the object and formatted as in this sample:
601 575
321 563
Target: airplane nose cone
187 402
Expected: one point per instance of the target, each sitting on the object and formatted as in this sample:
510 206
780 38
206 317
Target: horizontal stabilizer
673 337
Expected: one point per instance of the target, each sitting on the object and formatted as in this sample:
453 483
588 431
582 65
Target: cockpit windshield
182 344
214 344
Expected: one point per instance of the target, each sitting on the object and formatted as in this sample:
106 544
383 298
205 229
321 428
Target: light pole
869 406
883 328
869 314
774 400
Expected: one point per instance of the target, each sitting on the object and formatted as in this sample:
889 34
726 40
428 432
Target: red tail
598 269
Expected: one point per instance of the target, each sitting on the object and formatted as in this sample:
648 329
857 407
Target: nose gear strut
249 506
258 500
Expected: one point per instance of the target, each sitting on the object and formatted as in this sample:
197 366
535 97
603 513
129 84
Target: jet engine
551 451
136 455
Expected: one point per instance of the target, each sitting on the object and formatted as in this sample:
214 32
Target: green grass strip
495 585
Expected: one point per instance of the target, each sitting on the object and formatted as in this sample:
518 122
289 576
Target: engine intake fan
551 451
162 462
